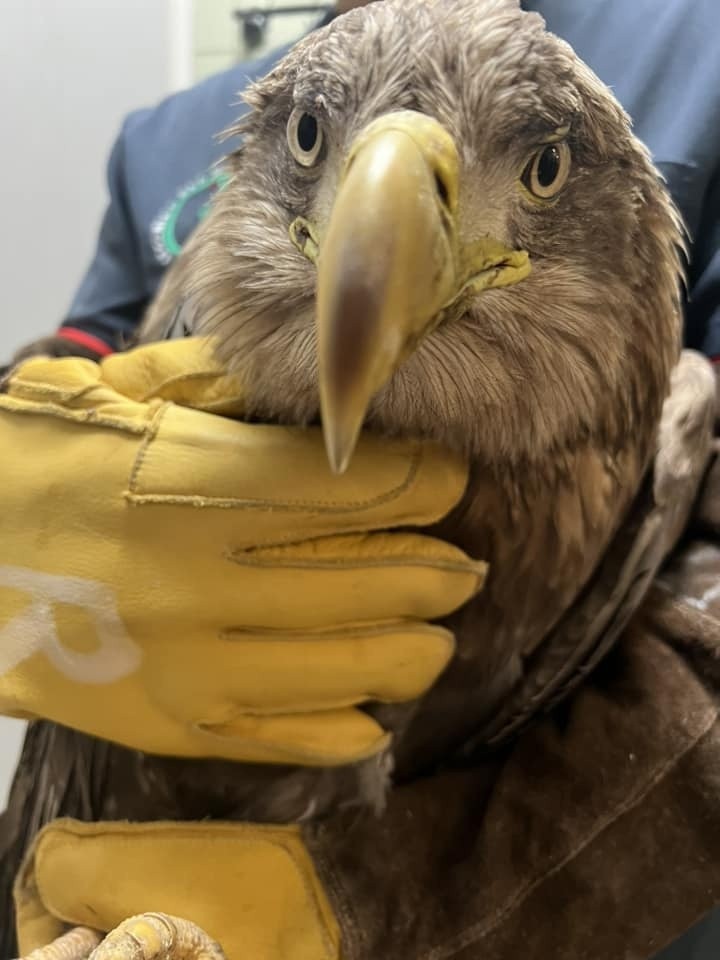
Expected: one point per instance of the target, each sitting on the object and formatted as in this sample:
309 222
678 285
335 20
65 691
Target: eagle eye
304 137
547 170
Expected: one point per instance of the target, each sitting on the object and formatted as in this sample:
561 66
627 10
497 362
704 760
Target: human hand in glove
183 583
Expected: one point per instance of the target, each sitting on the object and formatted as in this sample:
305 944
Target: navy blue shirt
659 56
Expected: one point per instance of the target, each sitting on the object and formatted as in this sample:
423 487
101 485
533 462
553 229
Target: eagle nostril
442 189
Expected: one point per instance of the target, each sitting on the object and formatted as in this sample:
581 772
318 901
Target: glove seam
156 390
29 388
477 569
371 628
150 430
289 506
13 404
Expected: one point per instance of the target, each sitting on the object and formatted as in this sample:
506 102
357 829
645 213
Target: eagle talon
148 936
157 936
77 944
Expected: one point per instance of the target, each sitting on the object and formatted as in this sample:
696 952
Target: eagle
439 224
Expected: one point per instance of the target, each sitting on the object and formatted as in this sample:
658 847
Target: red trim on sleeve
86 340
715 359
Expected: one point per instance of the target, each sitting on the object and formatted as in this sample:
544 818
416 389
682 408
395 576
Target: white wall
69 71
218 39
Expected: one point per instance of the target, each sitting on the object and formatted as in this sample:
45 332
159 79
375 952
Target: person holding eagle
339 707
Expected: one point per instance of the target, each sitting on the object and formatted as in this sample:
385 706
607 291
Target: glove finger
270 484
266 674
390 482
312 585
348 579
122 714
273 485
184 371
324 739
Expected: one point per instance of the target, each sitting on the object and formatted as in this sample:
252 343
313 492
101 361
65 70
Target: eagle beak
389 263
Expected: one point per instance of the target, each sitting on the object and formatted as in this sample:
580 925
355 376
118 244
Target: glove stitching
66 828
150 430
476 569
290 506
29 389
157 389
370 629
76 416
218 406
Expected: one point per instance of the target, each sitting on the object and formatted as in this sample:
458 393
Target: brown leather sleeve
596 836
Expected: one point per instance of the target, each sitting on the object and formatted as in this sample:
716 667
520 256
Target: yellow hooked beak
389 263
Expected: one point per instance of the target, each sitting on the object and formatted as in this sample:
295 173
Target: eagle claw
148 936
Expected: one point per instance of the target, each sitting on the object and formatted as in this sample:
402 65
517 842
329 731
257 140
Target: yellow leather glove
183 583
254 889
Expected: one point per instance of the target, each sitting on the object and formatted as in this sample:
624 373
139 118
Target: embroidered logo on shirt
34 629
171 228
